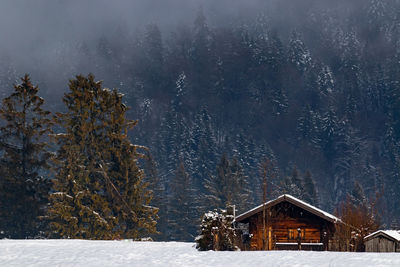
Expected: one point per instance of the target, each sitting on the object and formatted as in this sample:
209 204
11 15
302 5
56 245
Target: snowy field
127 253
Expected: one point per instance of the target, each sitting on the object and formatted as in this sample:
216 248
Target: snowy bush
217 232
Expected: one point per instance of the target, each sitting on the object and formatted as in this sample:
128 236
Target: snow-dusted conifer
98 191
229 185
217 232
298 53
159 196
181 208
293 184
310 192
25 159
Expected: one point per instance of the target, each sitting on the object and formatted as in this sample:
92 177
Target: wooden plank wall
380 244
282 224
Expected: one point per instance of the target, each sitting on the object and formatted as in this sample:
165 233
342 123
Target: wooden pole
264 202
299 238
270 238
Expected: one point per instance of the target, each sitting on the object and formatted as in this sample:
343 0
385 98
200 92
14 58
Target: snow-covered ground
127 253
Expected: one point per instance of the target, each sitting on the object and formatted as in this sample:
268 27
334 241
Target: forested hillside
312 87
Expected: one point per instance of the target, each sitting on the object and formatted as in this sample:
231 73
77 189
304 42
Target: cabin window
293 234
303 233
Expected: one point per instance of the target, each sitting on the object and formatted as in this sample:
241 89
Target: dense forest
311 88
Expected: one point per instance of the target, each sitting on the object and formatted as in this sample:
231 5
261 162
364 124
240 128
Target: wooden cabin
286 223
383 241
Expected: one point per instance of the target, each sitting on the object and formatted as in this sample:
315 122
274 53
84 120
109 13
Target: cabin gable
383 241
287 226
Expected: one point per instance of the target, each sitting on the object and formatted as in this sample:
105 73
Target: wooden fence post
299 238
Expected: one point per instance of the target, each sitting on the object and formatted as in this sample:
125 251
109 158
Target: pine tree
298 53
99 191
377 12
203 147
218 193
306 124
293 184
150 66
267 176
229 185
310 193
392 97
217 232
242 197
174 136
350 74
180 92
357 195
246 155
325 81
182 222
159 199
330 134
275 71
25 162
296 178
201 42
200 57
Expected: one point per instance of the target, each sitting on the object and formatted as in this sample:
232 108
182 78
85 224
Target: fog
29 26
35 34
42 37
26 26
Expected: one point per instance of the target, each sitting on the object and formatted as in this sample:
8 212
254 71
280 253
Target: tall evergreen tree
293 184
229 185
306 125
330 134
310 193
182 222
201 56
150 67
99 192
350 72
24 162
298 53
159 199
325 81
204 147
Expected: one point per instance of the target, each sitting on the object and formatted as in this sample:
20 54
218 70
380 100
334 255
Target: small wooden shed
383 241
287 223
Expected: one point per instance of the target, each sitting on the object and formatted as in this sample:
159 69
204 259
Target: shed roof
390 234
295 201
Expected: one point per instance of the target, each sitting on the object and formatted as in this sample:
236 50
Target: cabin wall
380 244
281 227
283 231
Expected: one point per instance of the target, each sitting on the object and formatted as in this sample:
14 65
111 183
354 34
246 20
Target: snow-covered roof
295 201
391 234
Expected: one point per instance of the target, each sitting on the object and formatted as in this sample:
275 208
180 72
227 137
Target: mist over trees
313 86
